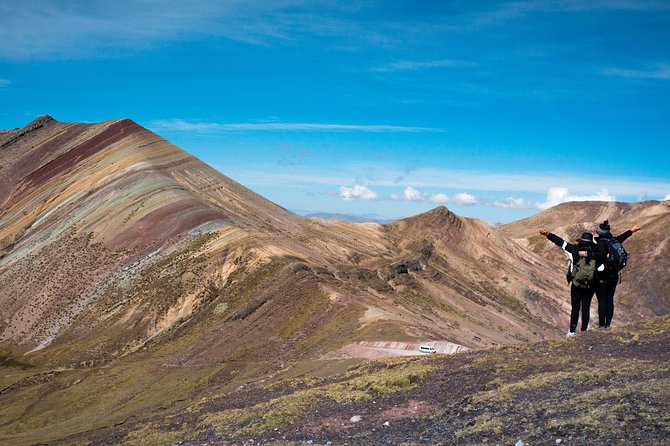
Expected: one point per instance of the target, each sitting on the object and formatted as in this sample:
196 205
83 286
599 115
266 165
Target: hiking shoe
570 334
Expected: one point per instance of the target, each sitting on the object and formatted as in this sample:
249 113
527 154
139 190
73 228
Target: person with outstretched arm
581 276
607 275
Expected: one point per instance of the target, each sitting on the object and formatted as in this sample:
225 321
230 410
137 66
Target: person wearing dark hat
607 276
580 275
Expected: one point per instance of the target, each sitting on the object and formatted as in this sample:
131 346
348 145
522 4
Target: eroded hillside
111 237
138 280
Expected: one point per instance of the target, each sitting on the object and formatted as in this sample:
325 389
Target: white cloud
410 65
667 197
465 199
511 202
66 30
358 191
412 194
661 72
558 195
446 179
439 198
179 125
510 183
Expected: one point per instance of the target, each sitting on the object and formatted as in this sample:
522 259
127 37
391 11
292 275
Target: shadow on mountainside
600 388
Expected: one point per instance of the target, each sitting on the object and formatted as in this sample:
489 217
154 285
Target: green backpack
583 271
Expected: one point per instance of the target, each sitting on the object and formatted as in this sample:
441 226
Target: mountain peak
39 121
437 218
120 250
7 137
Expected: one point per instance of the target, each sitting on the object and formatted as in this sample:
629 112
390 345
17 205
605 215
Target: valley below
146 298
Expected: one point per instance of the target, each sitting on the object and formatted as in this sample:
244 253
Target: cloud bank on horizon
498 109
555 196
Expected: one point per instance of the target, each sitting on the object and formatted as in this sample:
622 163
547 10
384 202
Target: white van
427 349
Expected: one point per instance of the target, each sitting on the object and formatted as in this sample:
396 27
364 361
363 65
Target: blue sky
495 109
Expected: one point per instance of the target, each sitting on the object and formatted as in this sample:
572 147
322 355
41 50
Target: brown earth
125 237
137 281
606 387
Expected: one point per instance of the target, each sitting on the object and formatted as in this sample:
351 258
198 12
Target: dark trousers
581 299
605 294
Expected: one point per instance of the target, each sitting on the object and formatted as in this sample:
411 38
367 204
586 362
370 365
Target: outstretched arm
568 247
552 237
621 238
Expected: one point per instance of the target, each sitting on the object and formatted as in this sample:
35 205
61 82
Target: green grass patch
79 400
361 385
486 423
8 359
152 435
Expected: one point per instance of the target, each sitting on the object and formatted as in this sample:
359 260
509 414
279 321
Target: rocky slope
605 387
123 237
138 280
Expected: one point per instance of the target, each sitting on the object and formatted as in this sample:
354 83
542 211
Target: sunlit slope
109 228
130 267
84 205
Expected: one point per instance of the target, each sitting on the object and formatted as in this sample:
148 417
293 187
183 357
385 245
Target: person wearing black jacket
580 297
606 278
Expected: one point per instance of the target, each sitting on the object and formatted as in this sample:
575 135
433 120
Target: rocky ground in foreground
602 387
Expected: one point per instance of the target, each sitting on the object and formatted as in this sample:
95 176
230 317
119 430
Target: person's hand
544 232
635 228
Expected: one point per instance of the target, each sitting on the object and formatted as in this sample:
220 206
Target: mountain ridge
126 194
119 252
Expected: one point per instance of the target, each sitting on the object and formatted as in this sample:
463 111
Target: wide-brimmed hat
586 237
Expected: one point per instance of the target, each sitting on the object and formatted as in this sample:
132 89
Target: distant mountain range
366 218
125 257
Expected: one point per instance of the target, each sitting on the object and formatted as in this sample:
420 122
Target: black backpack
617 257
